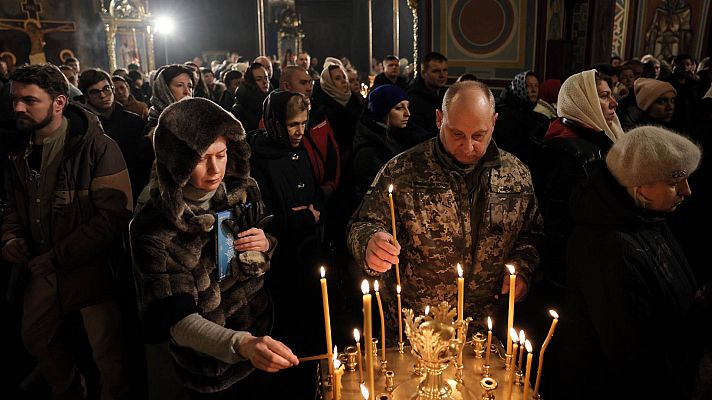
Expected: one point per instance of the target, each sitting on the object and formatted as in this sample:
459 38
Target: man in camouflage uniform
458 198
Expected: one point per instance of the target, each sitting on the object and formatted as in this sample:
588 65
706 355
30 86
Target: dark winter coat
91 206
423 103
342 119
631 316
571 153
248 106
382 79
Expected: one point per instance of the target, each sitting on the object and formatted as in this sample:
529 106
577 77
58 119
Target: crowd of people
114 185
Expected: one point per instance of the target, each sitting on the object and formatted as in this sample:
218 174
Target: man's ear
494 119
60 102
438 118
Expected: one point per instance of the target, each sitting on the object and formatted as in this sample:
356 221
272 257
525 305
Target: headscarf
708 95
274 112
519 86
327 84
162 96
578 100
549 90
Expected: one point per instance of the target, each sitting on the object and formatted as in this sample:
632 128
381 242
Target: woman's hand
253 239
267 354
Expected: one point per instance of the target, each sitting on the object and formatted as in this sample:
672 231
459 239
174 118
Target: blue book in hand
224 248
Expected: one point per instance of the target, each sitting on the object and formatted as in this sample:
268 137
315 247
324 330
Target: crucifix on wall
35 29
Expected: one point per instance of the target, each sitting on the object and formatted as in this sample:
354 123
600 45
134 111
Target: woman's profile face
399 115
181 86
210 170
664 195
340 80
608 103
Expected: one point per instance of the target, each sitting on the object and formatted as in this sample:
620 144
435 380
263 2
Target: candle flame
427 310
335 354
322 271
459 270
364 287
528 345
364 391
489 323
337 363
357 335
511 269
398 289
522 337
554 314
375 286
390 189
513 335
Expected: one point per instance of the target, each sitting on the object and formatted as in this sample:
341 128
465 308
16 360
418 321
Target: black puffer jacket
629 287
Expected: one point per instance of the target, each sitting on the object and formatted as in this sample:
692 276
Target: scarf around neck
327 84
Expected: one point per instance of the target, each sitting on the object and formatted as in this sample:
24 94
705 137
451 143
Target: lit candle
400 317
510 315
489 340
514 338
393 226
543 348
383 323
364 392
522 339
338 372
427 310
357 338
460 293
327 319
528 370
367 337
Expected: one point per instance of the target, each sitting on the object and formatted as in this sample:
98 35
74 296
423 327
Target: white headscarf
578 100
708 95
327 84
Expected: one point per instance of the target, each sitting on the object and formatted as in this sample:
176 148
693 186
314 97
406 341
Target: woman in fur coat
217 327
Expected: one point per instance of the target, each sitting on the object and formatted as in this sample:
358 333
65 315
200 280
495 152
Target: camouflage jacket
439 223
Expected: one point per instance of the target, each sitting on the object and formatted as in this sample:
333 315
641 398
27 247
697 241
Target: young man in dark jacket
69 199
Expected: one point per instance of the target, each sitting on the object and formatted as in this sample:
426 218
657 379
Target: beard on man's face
26 123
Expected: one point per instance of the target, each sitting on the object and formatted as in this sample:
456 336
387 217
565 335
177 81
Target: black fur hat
185 130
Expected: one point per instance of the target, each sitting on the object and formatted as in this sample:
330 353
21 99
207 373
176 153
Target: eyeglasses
106 90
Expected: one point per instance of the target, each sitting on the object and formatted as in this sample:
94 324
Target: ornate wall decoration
620 27
670 27
129 33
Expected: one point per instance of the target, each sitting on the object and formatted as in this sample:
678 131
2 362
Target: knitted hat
648 90
650 154
383 98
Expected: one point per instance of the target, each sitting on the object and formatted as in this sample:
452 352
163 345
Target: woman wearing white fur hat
631 293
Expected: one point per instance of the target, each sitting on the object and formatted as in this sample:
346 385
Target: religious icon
670 32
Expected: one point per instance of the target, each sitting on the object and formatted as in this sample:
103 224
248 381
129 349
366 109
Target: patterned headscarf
519 86
161 96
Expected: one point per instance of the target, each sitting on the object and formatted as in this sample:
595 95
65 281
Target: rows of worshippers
114 186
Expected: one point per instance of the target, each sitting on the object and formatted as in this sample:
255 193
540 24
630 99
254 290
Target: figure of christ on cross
35 29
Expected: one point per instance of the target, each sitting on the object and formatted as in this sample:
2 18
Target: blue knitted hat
383 98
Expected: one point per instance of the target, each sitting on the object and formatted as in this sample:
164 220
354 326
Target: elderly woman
281 167
217 321
574 144
631 292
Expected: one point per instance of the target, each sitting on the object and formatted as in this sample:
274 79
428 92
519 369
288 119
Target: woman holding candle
630 286
214 325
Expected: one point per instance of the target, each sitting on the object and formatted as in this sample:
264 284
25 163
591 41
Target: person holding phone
218 328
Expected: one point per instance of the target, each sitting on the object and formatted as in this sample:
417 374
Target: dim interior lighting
164 25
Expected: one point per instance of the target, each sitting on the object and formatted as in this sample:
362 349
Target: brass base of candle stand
405 384
400 347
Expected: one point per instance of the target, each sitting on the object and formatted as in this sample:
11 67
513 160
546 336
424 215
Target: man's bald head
467 90
265 61
296 79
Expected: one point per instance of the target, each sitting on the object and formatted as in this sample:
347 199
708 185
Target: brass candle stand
479 340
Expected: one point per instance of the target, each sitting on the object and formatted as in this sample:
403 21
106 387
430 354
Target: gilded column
413 5
110 29
151 55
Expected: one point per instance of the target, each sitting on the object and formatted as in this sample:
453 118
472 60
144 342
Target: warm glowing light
459 270
528 345
427 310
390 189
489 323
164 25
375 286
398 289
522 337
335 354
364 287
513 335
511 269
337 362
357 335
554 314
322 271
364 391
